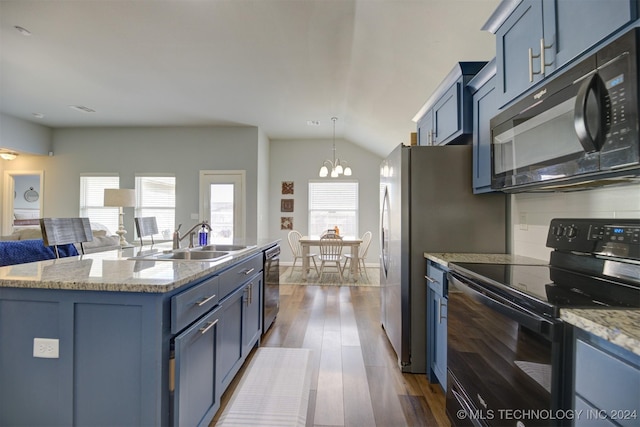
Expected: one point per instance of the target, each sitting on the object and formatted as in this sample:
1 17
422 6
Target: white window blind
92 200
333 203
156 196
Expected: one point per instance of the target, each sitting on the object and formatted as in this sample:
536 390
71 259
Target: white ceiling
274 64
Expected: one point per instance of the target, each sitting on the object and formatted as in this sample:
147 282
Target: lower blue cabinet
436 282
196 398
606 383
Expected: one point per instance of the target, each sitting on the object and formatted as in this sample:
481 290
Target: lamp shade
119 197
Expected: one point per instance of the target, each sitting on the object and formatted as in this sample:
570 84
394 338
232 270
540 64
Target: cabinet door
440 355
196 399
485 106
425 129
573 26
446 115
230 326
521 31
437 323
253 322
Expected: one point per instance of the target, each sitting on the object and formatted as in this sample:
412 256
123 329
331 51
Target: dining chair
294 237
362 254
64 231
146 226
330 253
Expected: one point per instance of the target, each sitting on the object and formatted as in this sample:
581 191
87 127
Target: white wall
299 161
532 212
263 185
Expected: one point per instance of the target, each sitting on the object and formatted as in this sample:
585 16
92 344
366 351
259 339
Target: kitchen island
107 339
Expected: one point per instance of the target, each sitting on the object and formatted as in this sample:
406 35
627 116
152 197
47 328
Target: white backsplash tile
528 238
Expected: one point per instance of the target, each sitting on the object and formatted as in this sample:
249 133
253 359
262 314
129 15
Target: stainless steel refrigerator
427 205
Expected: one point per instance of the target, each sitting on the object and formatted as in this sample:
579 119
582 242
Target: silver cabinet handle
210 325
543 62
440 317
430 279
205 300
247 272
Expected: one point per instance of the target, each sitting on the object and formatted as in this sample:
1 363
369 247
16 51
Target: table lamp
120 198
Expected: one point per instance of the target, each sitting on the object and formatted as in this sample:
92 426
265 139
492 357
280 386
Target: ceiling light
22 30
82 108
336 166
313 122
8 155
38 115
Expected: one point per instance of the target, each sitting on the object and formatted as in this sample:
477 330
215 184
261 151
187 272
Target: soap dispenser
203 236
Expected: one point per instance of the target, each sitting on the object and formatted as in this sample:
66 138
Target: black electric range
507 346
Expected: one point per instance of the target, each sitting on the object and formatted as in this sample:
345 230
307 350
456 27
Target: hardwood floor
356 380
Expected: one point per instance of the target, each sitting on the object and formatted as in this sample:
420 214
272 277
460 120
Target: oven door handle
520 315
467 409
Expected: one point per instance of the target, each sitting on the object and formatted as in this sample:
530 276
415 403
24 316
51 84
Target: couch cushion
22 251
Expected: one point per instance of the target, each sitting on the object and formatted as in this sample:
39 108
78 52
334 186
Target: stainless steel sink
228 248
197 255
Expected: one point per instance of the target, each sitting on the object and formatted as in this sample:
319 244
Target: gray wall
127 151
299 161
23 136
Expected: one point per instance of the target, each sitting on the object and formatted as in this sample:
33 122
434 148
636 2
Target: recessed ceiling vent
82 108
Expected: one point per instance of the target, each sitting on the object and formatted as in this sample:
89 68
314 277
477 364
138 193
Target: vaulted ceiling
274 64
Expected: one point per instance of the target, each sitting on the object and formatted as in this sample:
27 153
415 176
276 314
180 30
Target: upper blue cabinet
446 117
534 38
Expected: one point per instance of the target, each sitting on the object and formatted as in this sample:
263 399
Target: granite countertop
444 259
620 327
113 270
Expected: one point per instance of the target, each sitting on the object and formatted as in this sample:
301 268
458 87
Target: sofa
26 245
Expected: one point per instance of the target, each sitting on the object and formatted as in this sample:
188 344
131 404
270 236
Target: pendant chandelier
335 167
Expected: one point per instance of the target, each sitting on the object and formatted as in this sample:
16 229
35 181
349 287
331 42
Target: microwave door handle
590 133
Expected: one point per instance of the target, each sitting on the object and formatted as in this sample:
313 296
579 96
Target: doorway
222 204
22 190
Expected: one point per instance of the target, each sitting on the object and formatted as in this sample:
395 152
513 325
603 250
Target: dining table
352 242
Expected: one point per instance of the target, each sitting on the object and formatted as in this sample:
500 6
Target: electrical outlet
523 221
47 348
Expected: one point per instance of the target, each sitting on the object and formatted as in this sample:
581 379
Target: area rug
274 390
330 278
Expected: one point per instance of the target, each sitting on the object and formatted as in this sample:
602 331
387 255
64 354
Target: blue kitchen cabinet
196 398
485 106
534 38
606 383
446 117
436 282
240 324
128 358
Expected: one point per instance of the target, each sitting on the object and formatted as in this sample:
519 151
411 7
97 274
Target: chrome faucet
191 233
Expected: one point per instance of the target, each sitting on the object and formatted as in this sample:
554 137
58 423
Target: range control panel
614 237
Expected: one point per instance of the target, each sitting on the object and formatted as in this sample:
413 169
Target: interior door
222 200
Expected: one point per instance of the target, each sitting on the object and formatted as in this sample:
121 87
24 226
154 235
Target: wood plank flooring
356 380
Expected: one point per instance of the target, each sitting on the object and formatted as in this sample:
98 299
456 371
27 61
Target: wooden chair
146 226
330 253
63 231
362 254
294 237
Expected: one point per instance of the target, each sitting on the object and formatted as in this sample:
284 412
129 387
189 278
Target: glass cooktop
538 286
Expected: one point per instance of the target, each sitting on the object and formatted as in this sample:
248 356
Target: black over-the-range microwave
578 131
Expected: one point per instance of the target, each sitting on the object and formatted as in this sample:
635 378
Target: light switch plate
48 348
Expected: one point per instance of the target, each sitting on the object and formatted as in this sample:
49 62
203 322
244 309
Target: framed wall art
287 187
286 205
286 223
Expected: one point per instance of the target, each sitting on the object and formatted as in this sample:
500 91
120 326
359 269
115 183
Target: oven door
503 361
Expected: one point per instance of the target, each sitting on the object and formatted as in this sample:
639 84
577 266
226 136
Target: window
156 196
333 203
92 200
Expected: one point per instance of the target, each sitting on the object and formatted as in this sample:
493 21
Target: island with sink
135 336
